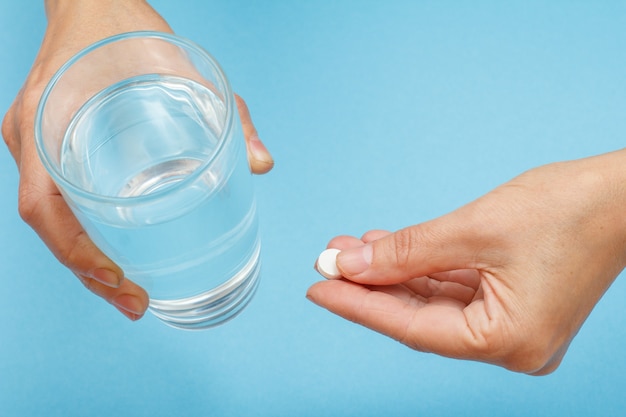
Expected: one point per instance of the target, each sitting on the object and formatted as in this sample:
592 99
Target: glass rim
65 185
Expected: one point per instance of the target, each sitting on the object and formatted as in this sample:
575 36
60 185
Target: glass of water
141 134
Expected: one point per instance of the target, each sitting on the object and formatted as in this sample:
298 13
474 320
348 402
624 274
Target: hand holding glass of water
141 134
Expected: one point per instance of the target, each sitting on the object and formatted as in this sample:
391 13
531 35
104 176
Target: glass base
213 307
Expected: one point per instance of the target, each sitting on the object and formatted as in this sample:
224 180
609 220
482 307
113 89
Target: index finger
440 328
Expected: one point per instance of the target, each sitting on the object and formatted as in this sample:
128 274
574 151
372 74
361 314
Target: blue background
379 115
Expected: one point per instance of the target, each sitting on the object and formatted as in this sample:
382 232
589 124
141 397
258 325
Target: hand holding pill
508 279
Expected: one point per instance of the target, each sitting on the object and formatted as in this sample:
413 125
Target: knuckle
405 243
71 253
69 248
28 205
8 130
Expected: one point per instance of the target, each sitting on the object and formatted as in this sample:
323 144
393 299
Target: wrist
611 184
74 24
56 8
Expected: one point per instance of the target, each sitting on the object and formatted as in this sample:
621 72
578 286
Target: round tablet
326 264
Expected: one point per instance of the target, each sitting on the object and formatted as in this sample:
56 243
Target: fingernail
129 305
106 277
354 261
311 299
259 151
129 315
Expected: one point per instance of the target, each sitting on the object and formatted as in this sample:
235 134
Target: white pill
326 264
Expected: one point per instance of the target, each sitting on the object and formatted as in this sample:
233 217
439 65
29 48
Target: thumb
444 244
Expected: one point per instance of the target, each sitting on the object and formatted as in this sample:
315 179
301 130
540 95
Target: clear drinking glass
141 134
